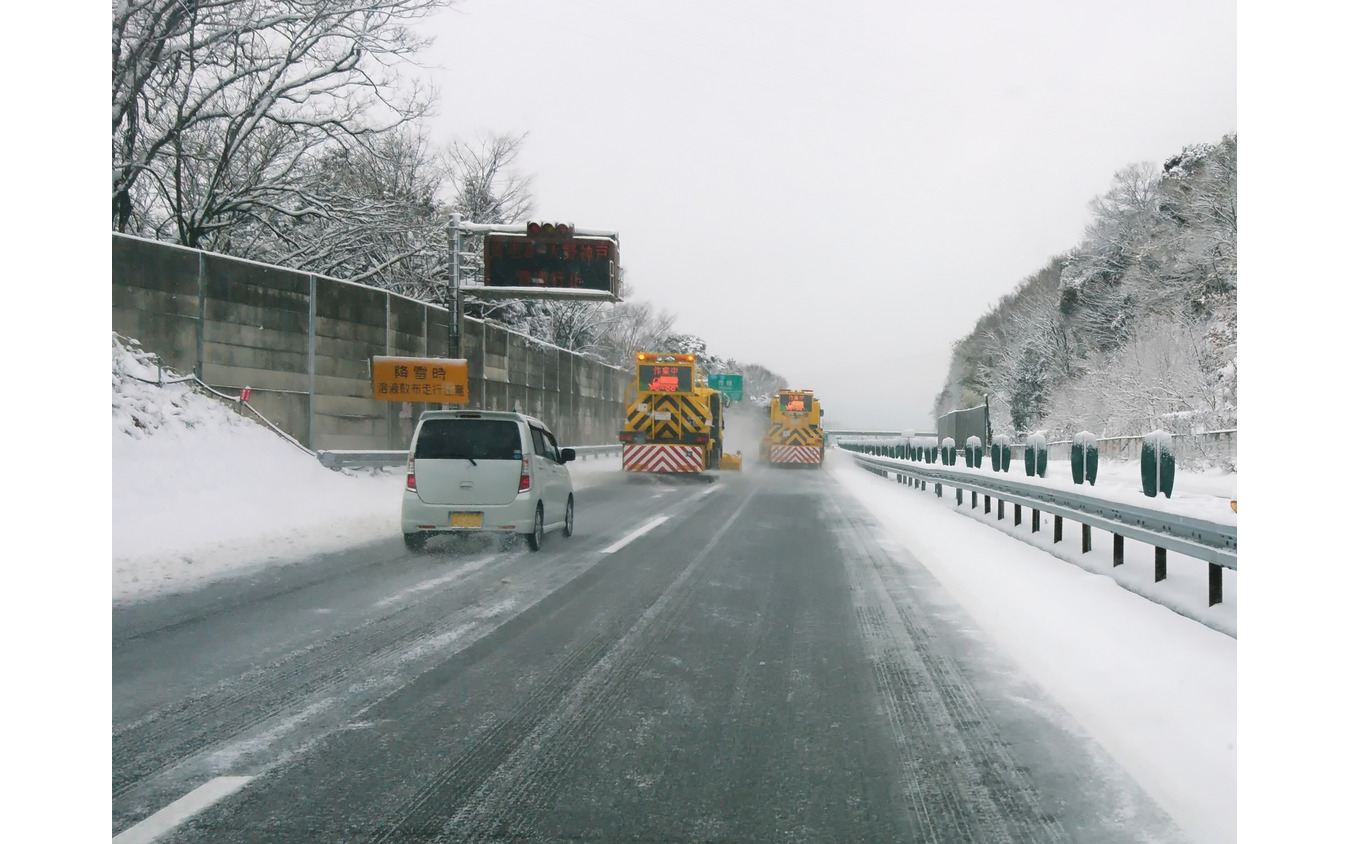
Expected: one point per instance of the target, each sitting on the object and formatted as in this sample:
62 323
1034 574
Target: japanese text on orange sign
420 379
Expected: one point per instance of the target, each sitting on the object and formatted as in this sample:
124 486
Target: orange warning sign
420 379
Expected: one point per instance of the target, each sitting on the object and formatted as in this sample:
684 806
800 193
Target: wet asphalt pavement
754 668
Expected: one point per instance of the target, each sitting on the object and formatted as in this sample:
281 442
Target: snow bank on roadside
200 492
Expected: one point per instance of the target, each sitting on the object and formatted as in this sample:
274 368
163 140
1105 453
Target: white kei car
477 471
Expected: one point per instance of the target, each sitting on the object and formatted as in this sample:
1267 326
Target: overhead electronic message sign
795 402
443 380
560 262
666 378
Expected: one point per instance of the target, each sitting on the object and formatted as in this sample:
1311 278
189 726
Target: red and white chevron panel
794 454
662 458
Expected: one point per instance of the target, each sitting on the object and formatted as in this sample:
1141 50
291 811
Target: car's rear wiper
471 460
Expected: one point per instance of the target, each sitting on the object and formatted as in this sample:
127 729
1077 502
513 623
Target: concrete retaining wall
303 343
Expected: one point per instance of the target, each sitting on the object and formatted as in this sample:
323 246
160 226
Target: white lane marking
534 753
180 810
457 574
709 491
635 534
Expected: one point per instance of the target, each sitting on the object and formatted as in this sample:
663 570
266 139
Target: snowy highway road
756 666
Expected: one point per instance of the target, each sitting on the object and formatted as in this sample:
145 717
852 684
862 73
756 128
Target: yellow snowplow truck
673 422
795 437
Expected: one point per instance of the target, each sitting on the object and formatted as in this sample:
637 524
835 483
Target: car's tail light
524 475
412 478
625 436
701 438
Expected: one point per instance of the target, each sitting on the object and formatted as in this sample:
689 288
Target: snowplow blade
731 461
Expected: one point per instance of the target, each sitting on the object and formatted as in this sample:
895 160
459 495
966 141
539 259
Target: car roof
510 415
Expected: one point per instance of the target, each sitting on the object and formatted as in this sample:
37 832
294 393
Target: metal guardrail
356 459
847 434
1211 542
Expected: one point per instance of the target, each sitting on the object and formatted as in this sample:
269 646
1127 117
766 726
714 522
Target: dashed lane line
635 534
180 810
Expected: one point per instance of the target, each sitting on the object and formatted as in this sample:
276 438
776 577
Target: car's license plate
466 520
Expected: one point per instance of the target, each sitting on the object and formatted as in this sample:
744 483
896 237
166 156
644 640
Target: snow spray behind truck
795 437
673 420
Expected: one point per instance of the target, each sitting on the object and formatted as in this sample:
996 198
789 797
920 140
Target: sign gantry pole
456 294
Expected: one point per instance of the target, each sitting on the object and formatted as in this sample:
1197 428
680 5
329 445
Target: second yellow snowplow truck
795 437
673 421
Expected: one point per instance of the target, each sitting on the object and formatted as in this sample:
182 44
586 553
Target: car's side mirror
568 455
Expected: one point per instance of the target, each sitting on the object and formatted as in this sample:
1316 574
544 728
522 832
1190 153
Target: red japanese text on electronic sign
581 263
664 378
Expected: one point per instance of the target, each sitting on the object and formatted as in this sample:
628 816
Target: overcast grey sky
835 191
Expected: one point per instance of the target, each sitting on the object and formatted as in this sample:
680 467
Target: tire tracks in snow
502 785
959 779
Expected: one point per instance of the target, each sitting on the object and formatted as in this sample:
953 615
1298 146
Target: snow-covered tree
219 105
631 327
1135 328
373 216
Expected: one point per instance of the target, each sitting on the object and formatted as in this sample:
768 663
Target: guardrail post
1017 514
986 503
1035 520
938 487
1215 584
958 496
1117 550
1059 528
1000 509
974 499
1087 539
1159 564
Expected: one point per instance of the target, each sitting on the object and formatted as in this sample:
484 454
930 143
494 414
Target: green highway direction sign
728 385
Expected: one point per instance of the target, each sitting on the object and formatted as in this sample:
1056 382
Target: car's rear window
480 439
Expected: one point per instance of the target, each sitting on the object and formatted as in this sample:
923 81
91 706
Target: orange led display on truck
667 378
795 436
